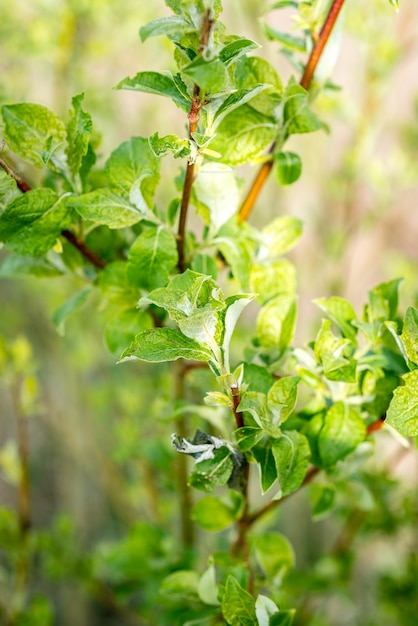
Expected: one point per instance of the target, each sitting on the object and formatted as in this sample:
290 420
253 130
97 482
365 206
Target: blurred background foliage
104 514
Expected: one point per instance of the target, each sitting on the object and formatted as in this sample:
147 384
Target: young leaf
409 336
208 589
235 305
274 554
296 44
69 307
212 514
291 454
34 133
218 194
33 221
335 355
151 258
276 323
8 190
342 314
235 100
234 50
238 606
284 618
342 432
402 413
180 148
281 398
264 609
156 83
15 265
243 135
133 171
297 117
253 71
215 471
79 130
165 344
211 76
247 437
181 585
268 471
280 236
322 498
104 206
270 279
287 167
173 27
122 328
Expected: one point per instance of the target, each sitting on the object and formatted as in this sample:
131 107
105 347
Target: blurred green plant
170 293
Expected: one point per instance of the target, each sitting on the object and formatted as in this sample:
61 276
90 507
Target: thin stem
193 118
305 82
19 181
85 250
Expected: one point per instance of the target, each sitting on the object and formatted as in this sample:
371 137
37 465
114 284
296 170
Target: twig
305 82
193 118
19 181
85 250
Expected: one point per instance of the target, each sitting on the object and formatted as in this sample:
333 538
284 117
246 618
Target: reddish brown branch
305 82
193 118
19 181
85 250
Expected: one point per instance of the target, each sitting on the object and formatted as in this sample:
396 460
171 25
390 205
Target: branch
67 234
193 118
305 82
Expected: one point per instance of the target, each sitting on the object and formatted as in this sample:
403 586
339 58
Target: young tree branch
193 118
305 82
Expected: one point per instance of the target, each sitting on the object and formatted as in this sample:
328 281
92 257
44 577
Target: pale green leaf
122 328
274 554
335 355
181 585
264 609
247 437
212 514
232 51
165 344
180 148
341 312
8 189
409 336
296 44
280 236
215 471
151 258
35 133
15 265
297 116
33 221
208 588
211 76
402 413
173 27
218 194
281 398
69 307
104 206
235 100
79 130
276 323
269 279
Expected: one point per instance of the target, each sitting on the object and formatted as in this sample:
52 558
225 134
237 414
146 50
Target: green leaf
335 355
297 117
79 130
296 44
402 413
238 606
247 437
234 307
276 323
253 71
211 472
69 307
151 258
291 454
243 135
8 189
15 265
383 301
283 4
180 148
173 27
342 432
133 171
274 554
237 252
115 286
342 314
208 589
235 100
394 3
322 498
104 206
281 398
212 514
280 236
35 133
156 83
122 328
181 585
165 344
218 194
264 609
232 51
284 618
33 221
211 76
409 336
267 465
287 167
273 278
